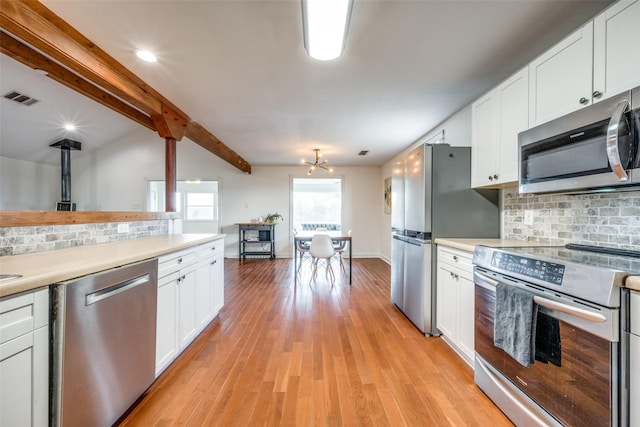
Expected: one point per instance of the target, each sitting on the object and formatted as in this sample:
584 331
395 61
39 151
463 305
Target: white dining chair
302 249
321 248
342 247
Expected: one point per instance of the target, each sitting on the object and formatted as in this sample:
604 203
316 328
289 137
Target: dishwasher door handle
116 289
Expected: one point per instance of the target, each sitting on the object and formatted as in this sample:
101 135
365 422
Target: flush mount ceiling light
325 24
146 56
317 163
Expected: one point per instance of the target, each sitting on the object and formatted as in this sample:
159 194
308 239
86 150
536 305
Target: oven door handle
568 309
484 281
613 151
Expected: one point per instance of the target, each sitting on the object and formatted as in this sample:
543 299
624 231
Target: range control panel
550 272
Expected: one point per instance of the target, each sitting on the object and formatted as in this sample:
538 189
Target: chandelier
317 163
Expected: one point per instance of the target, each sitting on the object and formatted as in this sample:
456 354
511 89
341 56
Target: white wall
116 179
28 185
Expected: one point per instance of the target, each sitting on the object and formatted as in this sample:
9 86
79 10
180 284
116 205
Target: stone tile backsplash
604 219
22 240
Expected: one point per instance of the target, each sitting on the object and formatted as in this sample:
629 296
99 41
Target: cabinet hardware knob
457 276
597 94
495 176
179 280
455 258
583 101
452 275
213 262
490 178
179 260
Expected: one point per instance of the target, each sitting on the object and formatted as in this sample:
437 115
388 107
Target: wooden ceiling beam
169 123
34 24
208 141
33 59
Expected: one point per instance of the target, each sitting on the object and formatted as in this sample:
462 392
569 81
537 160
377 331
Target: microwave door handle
613 152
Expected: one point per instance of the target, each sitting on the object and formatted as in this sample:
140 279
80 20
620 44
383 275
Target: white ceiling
240 69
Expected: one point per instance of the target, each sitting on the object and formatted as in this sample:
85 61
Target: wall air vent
363 153
20 98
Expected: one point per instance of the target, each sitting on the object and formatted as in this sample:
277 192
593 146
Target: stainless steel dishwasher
103 344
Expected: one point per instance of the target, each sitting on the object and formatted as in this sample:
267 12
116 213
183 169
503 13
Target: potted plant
273 217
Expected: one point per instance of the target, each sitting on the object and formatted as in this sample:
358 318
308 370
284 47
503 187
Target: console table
256 239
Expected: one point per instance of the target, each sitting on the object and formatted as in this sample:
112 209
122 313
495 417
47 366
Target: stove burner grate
603 250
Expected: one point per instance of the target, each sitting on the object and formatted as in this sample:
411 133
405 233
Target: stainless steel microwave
593 149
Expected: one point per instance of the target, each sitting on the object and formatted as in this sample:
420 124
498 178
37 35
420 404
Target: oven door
573 379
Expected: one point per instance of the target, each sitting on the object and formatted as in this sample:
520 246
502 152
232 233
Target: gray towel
514 326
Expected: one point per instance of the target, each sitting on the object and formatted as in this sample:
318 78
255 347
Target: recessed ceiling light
147 56
69 126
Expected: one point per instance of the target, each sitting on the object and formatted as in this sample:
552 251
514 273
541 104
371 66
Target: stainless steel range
547 333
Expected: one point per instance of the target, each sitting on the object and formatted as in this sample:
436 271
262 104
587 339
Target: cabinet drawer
208 249
635 313
23 313
455 257
174 261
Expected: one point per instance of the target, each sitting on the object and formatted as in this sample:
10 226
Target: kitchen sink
5 277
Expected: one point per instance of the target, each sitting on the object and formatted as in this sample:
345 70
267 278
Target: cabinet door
466 319
204 289
560 80
634 380
166 322
513 117
616 49
447 300
484 140
187 305
217 284
24 389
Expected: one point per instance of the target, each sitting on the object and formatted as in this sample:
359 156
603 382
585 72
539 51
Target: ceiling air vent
20 98
363 153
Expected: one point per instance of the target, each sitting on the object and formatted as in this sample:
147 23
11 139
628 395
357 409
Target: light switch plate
528 217
123 228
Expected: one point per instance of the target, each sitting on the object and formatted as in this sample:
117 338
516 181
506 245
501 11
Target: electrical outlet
528 217
123 228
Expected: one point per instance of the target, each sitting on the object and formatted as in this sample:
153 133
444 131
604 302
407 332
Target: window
197 203
317 202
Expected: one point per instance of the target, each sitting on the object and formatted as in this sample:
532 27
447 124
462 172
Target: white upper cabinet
616 49
560 80
599 60
497 118
484 139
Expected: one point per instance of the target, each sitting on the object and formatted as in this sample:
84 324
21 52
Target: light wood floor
313 355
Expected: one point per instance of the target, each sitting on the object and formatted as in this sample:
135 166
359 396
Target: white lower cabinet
634 361
176 305
190 295
24 359
210 285
455 300
166 321
188 326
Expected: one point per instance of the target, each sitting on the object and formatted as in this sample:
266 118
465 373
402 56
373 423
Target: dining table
306 236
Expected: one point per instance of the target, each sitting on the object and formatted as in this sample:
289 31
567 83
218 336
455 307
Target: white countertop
471 243
633 282
45 268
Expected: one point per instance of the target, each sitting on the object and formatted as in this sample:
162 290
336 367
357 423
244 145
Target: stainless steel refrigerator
431 198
